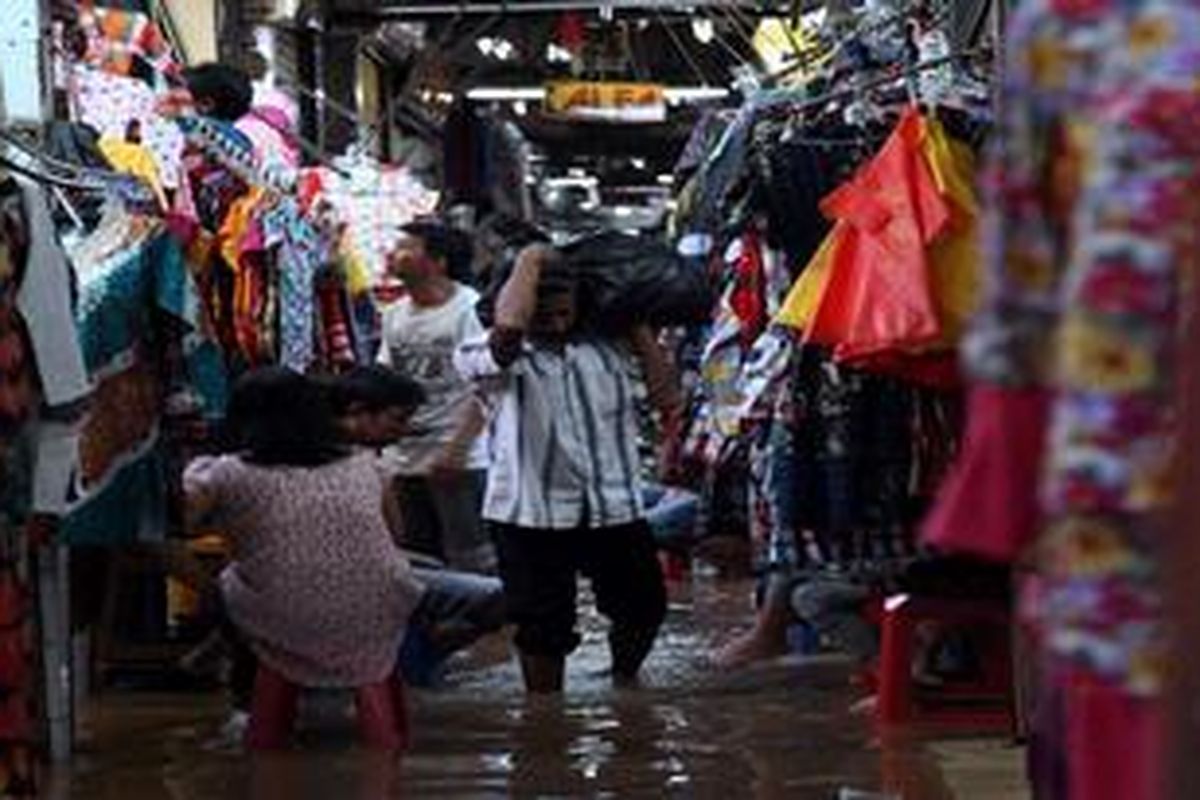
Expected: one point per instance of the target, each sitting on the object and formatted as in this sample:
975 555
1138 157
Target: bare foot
865 707
750 648
731 555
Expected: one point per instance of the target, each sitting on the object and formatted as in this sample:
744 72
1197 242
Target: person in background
373 406
316 588
563 494
441 462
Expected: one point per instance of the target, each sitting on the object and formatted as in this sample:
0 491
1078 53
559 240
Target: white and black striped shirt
563 435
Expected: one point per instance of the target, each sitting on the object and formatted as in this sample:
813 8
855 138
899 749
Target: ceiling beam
386 10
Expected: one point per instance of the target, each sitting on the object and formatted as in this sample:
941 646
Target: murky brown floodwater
781 730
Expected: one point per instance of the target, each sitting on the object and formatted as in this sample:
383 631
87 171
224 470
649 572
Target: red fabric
310 189
988 506
338 340
572 32
748 300
933 370
251 306
18 392
1114 744
878 298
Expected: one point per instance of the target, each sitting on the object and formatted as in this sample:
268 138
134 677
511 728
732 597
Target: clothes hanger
31 172
789 103
90 176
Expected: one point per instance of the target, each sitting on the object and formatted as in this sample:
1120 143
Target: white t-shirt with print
420 342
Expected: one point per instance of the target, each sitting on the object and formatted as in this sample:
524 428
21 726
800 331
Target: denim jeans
835 608
443 519
673 515
457 609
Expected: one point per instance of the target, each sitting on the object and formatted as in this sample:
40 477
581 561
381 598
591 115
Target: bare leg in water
768 638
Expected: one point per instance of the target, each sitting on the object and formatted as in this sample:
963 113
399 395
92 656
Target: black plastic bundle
629 280
624 281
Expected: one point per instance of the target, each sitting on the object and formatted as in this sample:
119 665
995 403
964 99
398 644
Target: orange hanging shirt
878 297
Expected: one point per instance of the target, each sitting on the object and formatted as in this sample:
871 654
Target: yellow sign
615 102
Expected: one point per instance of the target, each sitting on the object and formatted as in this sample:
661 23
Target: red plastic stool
898 700
382 713
675 566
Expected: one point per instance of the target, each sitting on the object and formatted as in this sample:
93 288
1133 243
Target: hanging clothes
302 251
219 157
244 252
272 132
956 255
133 304
35 296
125 43
374 202
892 285
110 102
1090 237
18 684
136 160
18 380
337 333
878 295
44 301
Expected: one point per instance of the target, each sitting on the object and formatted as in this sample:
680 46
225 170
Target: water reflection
781 730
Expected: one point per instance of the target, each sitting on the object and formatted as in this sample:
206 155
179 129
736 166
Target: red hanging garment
1115 743
748 300
338 342
571 33
988 506
878 298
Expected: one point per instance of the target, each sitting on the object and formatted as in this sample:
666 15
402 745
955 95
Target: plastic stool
382 713
675 566
898 704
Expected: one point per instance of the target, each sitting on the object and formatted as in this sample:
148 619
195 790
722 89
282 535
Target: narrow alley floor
780 730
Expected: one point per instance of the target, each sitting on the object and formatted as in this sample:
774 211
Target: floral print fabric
316 584
110 102
1092 232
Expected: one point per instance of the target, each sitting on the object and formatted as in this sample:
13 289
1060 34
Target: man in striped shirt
564 490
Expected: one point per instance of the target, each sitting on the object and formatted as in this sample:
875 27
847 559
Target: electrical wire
687 56
738 57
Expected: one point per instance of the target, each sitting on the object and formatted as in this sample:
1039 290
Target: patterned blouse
1095 200
316 584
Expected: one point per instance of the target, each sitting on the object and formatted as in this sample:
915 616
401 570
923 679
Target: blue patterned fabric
301 251
122 304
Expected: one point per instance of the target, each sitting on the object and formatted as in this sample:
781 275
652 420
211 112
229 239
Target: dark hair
227 88
374 388
445 243
559 275
278 417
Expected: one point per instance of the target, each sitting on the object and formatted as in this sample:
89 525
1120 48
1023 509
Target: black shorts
540 570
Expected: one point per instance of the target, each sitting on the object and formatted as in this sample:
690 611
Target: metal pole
317 26
53 587
55 617
543 6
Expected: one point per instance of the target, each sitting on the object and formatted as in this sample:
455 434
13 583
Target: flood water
782 730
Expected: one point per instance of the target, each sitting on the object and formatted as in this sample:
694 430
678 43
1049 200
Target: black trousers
540 571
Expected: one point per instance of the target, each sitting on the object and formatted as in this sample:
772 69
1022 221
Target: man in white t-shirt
441 466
